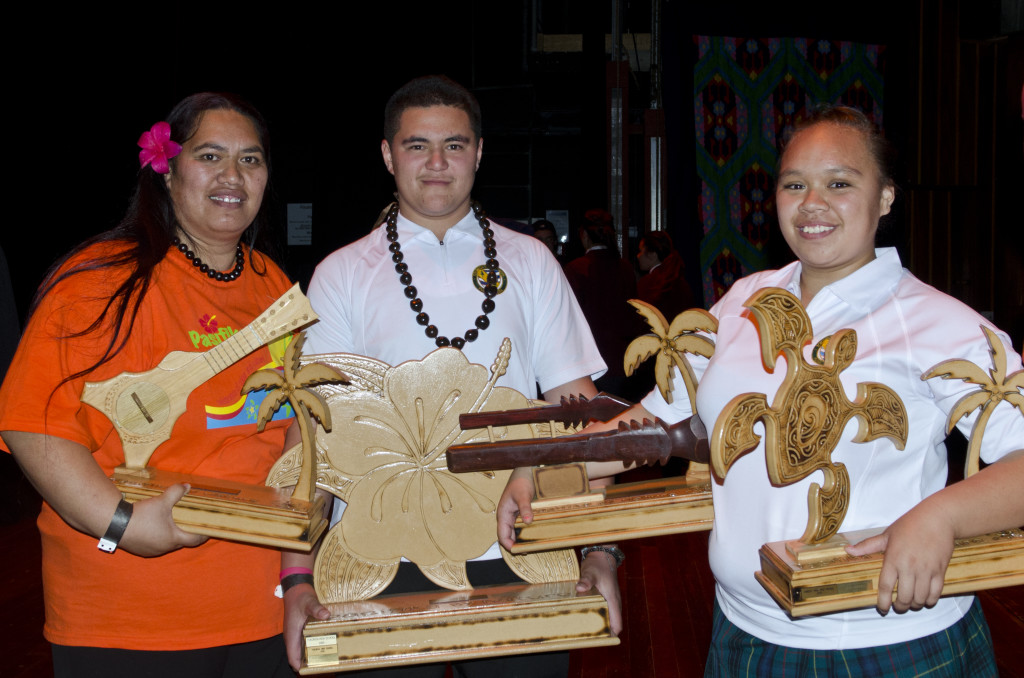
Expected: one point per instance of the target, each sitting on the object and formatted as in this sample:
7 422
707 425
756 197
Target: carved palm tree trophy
623 511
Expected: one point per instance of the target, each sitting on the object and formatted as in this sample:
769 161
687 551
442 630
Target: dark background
81 87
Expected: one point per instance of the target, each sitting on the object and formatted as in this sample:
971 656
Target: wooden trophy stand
144 406
628 511
385 457
836 581
644 509
456 625
815 575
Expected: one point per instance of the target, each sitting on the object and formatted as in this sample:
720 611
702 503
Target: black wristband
118 524
294 580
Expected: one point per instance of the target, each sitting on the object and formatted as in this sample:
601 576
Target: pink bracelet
295 570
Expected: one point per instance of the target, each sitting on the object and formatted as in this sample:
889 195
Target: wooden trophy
575 515
385 457
144 406
814 574
631 510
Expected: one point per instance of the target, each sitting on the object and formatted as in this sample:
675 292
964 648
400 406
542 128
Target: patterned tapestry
747 93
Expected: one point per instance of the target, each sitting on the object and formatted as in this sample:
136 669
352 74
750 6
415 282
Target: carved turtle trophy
143 408
385 458
814 575
807 416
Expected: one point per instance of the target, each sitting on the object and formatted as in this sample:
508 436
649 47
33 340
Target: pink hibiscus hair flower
157 147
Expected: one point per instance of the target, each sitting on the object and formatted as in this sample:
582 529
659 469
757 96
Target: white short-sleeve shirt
904 328
363 308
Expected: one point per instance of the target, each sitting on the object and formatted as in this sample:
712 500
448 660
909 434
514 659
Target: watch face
480 278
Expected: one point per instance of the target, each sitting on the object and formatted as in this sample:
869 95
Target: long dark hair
147 228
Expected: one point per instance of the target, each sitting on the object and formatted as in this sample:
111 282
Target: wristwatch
118 524
614 551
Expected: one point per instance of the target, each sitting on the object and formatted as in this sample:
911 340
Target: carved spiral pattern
811 429
790 326
885 415
845 349
808 414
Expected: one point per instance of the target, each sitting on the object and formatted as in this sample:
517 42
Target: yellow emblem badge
480 278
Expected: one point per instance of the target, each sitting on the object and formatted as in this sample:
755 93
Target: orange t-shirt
218 593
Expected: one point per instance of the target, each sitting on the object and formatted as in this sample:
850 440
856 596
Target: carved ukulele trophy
385 457
143 408
815 575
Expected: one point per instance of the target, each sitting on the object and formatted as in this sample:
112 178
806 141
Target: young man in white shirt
436 273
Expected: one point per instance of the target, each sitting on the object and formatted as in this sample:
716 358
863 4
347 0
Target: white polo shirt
904 328
363 308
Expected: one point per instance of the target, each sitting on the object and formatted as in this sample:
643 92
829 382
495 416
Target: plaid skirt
964 650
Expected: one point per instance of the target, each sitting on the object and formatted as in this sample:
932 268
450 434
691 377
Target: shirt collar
467 226
866 286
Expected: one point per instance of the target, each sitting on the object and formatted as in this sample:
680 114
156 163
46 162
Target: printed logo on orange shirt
212 333
243 411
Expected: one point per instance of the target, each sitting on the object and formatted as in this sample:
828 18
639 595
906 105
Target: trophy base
629 511
254 514
419 628
820 585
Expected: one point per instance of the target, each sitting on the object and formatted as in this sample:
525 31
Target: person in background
603 283
544 231
663 286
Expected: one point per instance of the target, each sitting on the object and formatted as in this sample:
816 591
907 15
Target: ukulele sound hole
143 408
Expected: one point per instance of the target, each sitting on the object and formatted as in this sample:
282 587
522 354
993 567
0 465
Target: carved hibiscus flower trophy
385 457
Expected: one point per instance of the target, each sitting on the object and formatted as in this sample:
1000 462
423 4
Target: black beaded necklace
490 289
204 268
